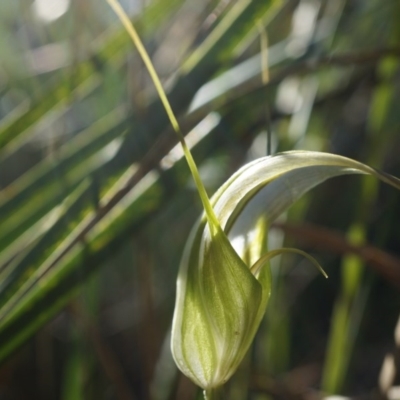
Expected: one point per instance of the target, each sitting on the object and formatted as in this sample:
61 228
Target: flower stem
126 22
214 394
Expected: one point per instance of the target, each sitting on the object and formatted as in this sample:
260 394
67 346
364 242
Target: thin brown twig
275 389
328 240
356 58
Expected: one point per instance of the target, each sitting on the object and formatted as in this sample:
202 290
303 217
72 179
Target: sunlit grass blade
51 285
71 212
230 32
85 77
56 97
29 198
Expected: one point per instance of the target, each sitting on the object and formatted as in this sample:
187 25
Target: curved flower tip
224 280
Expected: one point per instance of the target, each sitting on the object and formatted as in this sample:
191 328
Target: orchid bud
219 307
222 293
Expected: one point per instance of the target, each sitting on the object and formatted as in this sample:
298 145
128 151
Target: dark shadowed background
96 201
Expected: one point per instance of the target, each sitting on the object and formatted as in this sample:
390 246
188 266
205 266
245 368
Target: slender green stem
214 394
211 217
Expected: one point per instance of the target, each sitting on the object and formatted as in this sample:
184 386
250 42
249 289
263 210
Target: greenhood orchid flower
224 281
222 289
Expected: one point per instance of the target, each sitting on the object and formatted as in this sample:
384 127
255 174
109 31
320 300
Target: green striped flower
224 281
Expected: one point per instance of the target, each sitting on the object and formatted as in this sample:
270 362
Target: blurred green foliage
96 202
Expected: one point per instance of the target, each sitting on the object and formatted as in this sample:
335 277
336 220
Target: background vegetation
96 202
